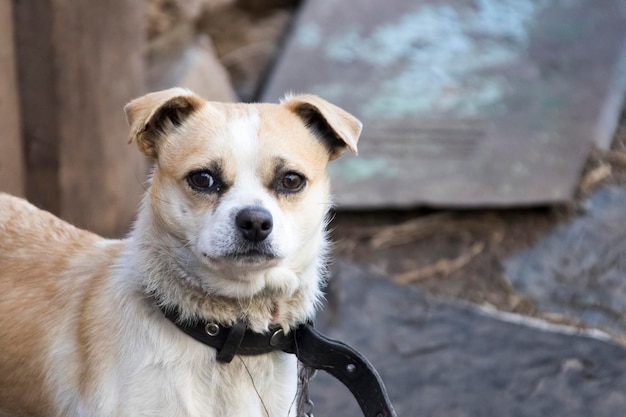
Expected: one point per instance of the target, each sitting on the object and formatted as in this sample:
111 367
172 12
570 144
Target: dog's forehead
244 137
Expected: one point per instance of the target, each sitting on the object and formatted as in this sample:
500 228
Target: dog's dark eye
201 181
292 182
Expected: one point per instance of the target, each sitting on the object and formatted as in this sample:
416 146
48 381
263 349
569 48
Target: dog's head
242 187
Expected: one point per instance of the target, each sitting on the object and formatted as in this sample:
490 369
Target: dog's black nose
255 223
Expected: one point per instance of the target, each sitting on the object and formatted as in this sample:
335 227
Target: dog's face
242 187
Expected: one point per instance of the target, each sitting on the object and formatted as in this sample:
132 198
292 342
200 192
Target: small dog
232 227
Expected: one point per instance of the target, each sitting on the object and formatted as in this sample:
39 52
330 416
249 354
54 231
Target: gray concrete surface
446 359
579 270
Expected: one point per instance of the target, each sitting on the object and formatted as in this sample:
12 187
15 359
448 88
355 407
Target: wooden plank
484 103
37 69
77 70
11 156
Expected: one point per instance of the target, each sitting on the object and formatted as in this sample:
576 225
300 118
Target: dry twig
617 158
441 267
594 177
437 224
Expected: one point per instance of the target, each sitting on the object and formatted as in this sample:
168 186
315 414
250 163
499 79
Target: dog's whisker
188 262
293 402
147 190
254 386
159 198
184 245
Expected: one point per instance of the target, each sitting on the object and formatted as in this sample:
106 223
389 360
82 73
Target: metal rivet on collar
212 329
275 339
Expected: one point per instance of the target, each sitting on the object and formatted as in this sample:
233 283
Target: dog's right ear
153 115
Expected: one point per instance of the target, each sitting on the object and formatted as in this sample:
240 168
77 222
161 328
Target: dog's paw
281 282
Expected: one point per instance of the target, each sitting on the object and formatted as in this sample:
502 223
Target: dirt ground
459 254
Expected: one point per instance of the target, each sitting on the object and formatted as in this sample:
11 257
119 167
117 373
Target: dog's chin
251 259
240 273
246 260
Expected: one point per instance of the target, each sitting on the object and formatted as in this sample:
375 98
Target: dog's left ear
337 128
155 114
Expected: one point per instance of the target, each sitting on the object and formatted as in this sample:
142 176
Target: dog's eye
292 182
201 180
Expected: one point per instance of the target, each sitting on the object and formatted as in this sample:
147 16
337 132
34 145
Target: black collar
235 340
312 349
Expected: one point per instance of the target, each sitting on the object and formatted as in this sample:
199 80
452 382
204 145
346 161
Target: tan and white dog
232 227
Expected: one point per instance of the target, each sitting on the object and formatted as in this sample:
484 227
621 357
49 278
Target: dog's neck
173 282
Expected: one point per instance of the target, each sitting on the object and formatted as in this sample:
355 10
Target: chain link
305 405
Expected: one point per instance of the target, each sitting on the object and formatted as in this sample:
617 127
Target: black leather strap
232 340
232 343
348 366
311 347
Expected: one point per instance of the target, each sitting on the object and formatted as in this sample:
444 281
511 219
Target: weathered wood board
77 70
11 154
465 103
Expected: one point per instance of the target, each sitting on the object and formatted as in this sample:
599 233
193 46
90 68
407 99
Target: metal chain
305 405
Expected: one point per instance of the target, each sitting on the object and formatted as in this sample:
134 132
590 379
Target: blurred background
480 233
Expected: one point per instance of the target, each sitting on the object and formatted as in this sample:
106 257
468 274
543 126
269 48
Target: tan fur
33 286
81 335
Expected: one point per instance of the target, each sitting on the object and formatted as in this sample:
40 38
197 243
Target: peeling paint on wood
535 74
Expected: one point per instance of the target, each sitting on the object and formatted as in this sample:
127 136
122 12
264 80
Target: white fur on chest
160 371
191 383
